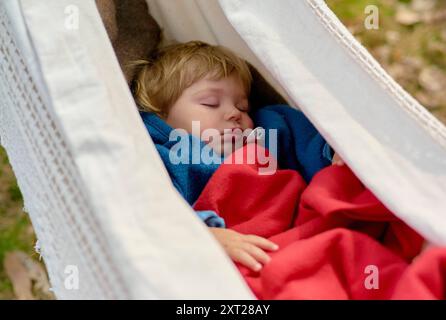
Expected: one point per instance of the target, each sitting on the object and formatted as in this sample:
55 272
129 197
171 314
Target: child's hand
245 249
337 160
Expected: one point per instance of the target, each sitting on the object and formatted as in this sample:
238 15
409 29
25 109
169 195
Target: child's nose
234 114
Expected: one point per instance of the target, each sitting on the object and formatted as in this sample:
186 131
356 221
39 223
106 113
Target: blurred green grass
16 232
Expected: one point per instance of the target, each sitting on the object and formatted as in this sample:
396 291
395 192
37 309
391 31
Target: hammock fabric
98 195
331 234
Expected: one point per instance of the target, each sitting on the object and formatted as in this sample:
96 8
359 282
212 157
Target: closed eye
209 105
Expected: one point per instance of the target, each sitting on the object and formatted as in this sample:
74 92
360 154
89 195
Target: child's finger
244 258
257 253
337 160
261 242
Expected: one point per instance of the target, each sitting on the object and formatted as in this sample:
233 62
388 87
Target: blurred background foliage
410 44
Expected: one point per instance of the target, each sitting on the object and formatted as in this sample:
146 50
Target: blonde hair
162 79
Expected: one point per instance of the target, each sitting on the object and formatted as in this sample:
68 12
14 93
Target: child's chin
228 148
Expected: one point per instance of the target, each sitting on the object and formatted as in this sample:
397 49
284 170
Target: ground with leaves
19 264
410 44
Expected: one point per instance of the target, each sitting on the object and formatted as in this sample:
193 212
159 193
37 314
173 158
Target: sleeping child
198 93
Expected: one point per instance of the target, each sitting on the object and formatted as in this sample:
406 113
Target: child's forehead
227 85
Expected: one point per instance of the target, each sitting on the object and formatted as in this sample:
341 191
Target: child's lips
229 136
235 130
232 130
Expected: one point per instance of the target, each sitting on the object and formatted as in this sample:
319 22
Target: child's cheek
249 123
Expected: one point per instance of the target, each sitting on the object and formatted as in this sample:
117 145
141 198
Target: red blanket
337 240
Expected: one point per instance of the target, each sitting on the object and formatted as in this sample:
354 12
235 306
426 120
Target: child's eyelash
243 109
209 105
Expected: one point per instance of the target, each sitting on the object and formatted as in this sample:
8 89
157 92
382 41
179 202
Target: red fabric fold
337 240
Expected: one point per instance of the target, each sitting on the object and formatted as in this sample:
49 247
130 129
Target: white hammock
96 190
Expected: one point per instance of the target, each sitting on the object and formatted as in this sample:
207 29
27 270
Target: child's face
216 104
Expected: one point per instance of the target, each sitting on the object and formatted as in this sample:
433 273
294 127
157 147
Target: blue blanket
299 145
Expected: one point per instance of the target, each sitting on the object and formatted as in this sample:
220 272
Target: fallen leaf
28 277
412 63
423 5
432 17
406 16
427 100
392 36
397 71
436 47
382 53
432 78
18 274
